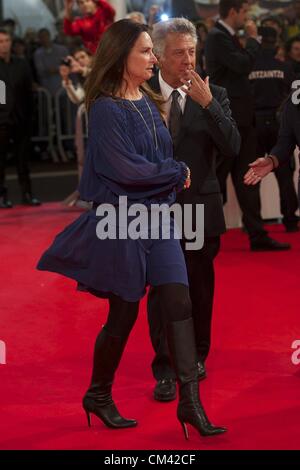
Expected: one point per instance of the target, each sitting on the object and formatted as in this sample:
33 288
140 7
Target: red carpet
49 331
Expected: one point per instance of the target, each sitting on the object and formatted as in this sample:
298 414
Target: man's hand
69 4
259 169
198 89
154 10
64 71
68 9
251 29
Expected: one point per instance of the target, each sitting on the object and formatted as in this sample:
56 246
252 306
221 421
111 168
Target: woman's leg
177 310
109 347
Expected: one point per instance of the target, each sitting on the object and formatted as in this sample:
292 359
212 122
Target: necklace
154 134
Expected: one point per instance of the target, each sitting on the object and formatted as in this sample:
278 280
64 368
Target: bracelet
188 178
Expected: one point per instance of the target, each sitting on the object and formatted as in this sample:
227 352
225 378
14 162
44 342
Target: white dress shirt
166 91
226 26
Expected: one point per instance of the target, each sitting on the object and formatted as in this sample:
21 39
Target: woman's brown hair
106 77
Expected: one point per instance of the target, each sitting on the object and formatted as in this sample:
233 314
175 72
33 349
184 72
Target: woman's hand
259 169
74 65
198 89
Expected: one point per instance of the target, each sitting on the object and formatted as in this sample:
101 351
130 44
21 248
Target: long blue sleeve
121 153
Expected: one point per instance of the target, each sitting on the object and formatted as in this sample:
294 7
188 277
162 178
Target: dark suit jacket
203 133
229 65
289 132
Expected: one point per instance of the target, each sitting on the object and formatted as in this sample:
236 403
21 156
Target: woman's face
83 58
140 62
87 7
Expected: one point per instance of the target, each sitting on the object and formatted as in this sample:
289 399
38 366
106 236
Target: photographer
79 64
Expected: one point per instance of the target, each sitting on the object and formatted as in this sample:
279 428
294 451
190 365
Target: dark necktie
237 42
175 116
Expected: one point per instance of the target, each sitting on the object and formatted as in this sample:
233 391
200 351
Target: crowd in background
45 54
64 61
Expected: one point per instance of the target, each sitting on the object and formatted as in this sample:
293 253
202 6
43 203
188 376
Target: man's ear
159 63
231 12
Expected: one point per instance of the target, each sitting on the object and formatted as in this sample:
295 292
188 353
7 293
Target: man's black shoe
30 200
5 203
201 370
292 227
165 390
268 244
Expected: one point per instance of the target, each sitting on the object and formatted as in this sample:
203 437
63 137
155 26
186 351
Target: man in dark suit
288 139
15 120
229 65
200 122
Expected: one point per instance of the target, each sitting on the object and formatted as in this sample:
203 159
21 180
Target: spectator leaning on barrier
80 63
97 16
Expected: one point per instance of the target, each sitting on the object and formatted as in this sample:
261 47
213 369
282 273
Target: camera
66 62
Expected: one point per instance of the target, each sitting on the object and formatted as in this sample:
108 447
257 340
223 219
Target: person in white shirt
80 64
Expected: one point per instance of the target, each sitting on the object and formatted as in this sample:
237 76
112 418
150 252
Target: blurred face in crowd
87 7
140 62
19 49
30 35
178 58
297 8
83 58
295 51
201 33
280 54
5 45
272 24
137 17
240 17
45 38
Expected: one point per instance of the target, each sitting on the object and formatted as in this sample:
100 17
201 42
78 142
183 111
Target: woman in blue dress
129 155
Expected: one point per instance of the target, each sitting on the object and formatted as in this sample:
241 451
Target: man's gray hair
174 25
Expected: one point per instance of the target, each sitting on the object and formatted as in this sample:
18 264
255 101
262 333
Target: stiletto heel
190 411
107 413
98 399
185 430
88 418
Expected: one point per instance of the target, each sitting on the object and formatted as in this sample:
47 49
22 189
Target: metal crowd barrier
65 117
59 123
43 121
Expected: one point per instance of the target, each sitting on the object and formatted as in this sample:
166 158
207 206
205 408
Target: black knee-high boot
181 340
98 399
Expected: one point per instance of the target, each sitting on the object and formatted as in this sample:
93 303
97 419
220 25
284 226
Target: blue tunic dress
122 160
